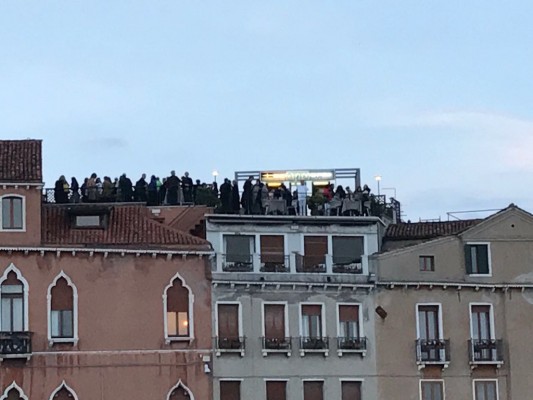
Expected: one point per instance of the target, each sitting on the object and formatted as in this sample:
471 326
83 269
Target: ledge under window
170 339
72 341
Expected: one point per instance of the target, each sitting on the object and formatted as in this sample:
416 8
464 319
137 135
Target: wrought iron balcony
486 351
347 265
277 345
310 264
314 344
234 344
15 344
433 351
351 344
237 262
274 263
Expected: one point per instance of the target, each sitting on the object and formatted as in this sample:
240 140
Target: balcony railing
276 345
237 262
233 344
310 264
314 344
347 265
15 344
485 351
433 351
351 344
274 262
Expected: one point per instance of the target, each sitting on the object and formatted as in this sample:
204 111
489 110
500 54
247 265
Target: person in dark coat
235 204
187 187
75 188
172 184
195 188
247 195
140 189
126 188
152 191
60 195
225 196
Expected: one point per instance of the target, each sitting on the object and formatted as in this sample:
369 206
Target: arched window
180 392
12 212
13 301
13 392
62 309
178 301
64 392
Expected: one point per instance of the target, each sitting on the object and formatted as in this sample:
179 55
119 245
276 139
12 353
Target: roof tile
427 230
21 161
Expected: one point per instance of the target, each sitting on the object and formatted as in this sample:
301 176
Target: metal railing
485 350
277 344
347 265
436 351
274 262
314 343
15 343
351 343
237 262
310 264
231 343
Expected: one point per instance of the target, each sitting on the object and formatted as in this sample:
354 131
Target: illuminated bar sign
296 176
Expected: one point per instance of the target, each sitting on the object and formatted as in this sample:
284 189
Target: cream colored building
455 306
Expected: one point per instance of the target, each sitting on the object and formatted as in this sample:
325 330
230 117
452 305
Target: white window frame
190 338
432 380
74 339
489 259
360 380
491 316
323 325
16 387
64 385
285 304
23 212
240 326
484 380
176 386
315 380
26 288
359 322
441 325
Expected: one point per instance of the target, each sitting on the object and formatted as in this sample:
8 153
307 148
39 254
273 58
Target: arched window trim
189 338
17 388
12 268
64 386
23 198
75 338
183 386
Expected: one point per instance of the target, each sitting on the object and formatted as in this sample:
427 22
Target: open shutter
468 258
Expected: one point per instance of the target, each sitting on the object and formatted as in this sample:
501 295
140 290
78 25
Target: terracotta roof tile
128 227
427 230
21 161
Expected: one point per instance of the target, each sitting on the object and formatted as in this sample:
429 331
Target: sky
434 96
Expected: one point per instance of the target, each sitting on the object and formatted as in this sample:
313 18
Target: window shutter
276 390
313 390
468 258
348 313
228 320
312 310
230 390
351 390
274 321
177 297
483 259
62 296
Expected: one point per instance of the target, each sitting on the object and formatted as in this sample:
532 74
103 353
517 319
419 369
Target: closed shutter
177 297
272 249
313 390
347 249
314 309
276 390
62 296
351 390
348 313
228 320
274 321
315 250
230 390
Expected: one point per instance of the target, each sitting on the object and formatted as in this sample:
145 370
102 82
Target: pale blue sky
436 96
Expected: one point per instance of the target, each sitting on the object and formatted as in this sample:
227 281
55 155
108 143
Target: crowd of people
227 199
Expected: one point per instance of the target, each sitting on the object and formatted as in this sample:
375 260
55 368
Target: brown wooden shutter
348 313
177 297
315 250
62 296
314 309
272 248
351 390
313 390
228 320
63 394
276 390
12 279
230 390
274 321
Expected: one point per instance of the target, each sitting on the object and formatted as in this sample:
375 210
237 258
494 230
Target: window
312 320
178 310
430 345
63 392
12 304
62 310
347 250
276 390
230 390
239 252
481 322
426 263
180 392
14 392
88 221
484 346
12 213
485 390
351 390
315 250
313 390
432 390
477 259
349 321
273 253
228 327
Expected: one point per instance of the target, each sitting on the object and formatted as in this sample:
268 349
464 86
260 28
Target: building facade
456 300
97 301
293 307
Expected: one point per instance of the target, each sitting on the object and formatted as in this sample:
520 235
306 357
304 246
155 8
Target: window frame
491 316
474 381
489 260
230 380
74 339
426 256
322 316
14 385
239 316
190 337
360 318
323 381
266 380
421 381
25 291
440 319
285 304
62 386
361 382
23 212
346 235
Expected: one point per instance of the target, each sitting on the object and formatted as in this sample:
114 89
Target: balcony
15 345
234 344
274 263
432 352
310 264
277 345
347 265
237 262
351 345
310 344
485 352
